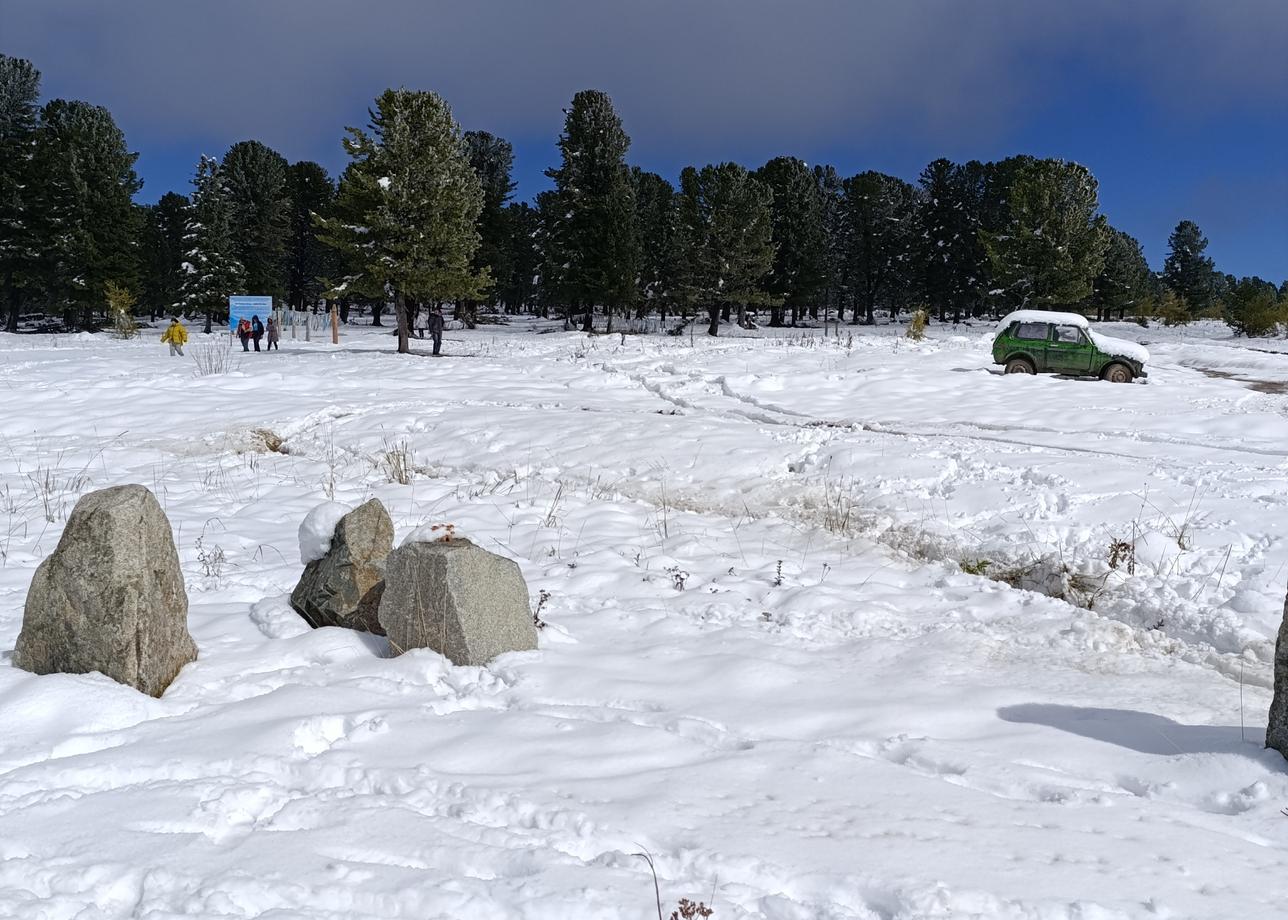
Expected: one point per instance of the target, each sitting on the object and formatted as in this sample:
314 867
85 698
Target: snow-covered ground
774 657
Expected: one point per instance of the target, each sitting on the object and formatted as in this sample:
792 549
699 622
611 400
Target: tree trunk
714 314
776 317
588 322
344 312
210 318
400 310
376 309
11 302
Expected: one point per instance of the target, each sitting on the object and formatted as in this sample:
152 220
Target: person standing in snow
273 335
256 330
243 333
435 325
176 336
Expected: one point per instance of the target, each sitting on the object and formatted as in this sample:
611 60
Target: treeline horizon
424 215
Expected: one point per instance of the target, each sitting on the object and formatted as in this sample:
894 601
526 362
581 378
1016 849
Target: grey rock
111 597
457 599
343 588
1277 728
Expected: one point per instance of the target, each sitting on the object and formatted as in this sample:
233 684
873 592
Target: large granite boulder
1277 729
457 599
343 588
111 597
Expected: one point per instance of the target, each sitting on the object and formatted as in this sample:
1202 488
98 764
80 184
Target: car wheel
1020 366
1117 373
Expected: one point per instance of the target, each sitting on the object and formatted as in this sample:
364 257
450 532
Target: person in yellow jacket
176 336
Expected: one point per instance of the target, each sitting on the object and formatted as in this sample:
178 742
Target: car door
1069 351
1030 340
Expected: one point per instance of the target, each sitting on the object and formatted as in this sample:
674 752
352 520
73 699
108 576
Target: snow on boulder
342 587
111 598
318 530
446 594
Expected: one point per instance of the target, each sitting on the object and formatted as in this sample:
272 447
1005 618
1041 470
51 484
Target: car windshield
1034 331
1069 334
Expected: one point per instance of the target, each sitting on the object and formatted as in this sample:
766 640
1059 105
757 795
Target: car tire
1117 373
1020 366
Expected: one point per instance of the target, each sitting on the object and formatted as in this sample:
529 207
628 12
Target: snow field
764 661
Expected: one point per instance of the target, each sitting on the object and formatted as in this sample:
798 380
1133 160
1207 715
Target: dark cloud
287 70
879 83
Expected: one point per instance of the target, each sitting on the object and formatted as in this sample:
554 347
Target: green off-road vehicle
1040 342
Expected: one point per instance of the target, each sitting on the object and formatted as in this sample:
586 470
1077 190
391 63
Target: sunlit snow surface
764 663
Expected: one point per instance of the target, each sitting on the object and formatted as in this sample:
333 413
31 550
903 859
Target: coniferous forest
424 214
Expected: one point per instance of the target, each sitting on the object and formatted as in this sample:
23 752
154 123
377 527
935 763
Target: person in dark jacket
435 326
256 330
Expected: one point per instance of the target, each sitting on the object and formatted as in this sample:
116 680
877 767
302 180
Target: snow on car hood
1119 348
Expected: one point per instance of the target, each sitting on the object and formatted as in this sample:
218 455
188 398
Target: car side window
1036 332
1071 335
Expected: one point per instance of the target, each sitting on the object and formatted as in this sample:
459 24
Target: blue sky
1179 107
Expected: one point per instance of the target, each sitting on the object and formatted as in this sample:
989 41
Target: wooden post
335 325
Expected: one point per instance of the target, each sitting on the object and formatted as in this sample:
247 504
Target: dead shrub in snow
684 909
398 463
211 358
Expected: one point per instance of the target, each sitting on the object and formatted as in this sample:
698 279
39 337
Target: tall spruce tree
164 229
518 289
950 253
19 184
308 260
493 160
1123 282
879 214
1187 272
1052 244
408 206
87 207
210 269
798 273
831 197
657 219
726 228
255 178
593 225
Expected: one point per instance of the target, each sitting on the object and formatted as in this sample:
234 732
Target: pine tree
493 160
164 228
950 255
1123 282
255 179
1052 244
879 214
726 229
19 91
1187 272
408 207
1253 308
210 269
657 221
87 207
523 257
799 270
308 260
594 224
831 197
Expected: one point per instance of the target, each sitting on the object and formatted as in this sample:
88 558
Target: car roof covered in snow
1044 316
